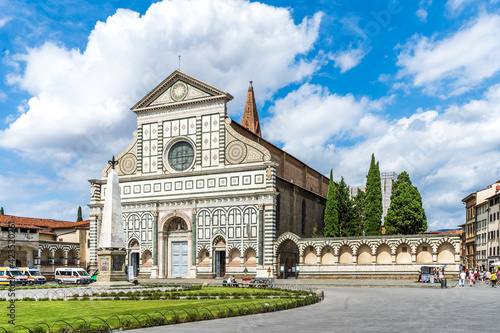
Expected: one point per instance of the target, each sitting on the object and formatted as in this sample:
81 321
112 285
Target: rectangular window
424 248
405 249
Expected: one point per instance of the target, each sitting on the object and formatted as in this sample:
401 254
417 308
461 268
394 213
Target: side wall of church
298 210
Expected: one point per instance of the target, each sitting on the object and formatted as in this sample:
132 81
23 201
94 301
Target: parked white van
8 274
72 275
33 274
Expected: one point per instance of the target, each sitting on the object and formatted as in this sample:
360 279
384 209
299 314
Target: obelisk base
111 265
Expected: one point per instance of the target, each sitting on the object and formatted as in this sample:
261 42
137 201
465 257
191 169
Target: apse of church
200 192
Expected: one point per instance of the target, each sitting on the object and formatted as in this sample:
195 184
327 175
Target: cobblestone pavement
375 309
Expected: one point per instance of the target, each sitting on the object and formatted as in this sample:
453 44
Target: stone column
194 238
374 258
154 269
261 235
161 254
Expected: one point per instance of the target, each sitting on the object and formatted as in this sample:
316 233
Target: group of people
231 281
472 276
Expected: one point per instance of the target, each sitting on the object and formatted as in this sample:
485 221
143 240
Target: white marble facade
194 191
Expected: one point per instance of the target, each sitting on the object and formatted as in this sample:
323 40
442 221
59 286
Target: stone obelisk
111 249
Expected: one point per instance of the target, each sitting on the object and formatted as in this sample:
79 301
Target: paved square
362 309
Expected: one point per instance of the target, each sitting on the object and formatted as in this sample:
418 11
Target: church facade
203 196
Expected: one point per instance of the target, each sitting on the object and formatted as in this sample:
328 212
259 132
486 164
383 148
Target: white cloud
422 15
3 96
4 20
308 119
455 6
350 58
447 153
453 65
81 99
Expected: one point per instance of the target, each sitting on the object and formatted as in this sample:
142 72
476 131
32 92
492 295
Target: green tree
79 218
345 209
373 200
331 225
359 210
1 211
405 215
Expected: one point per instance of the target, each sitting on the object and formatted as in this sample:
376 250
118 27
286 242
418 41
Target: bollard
443 283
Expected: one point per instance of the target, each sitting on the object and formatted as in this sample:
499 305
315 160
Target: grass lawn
29 313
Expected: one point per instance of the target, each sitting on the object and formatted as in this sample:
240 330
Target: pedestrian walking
471 278
462 278
488 277
493 280
475 276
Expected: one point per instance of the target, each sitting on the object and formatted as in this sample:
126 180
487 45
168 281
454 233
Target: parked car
72 275
33 274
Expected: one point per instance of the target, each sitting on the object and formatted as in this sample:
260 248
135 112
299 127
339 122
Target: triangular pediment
177 90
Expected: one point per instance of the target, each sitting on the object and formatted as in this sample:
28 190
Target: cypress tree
345 210
79 218
1 211
331 225
359 210
405 215
373 200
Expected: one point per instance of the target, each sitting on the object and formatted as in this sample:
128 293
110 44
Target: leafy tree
331 225
405 215
373 200
345 209
79 218
359 210
1 211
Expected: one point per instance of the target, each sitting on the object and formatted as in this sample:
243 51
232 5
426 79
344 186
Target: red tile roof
25 222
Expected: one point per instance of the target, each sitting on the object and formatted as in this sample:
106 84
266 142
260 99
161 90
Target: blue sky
415 82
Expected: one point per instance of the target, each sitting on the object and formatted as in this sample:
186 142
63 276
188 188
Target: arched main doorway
177 247
288 258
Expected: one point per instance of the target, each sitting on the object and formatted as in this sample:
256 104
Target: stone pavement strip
371 309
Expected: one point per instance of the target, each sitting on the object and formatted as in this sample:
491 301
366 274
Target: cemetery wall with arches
395 256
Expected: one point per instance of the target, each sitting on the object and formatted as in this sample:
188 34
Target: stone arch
310 255
345 254
403 253
364 254
234 257
204 257
45 256
424 253
219 240
131 221
327 255
431 246
233 214
146 258
249 215
72 257
203 217
284 237
287 252
384 254
59 257
133 243
250 257
446 253
390 244
218 217
307 244
166 220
